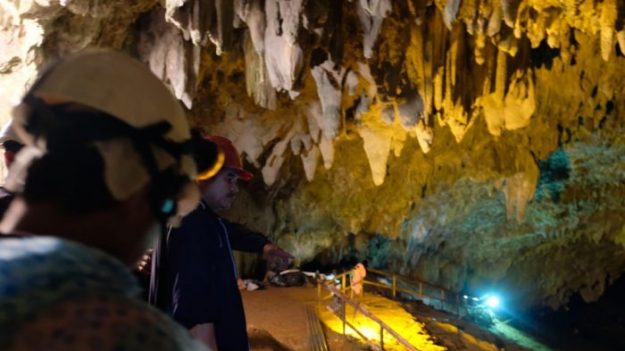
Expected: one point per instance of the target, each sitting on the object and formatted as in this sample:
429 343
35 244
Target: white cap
114 83
7 133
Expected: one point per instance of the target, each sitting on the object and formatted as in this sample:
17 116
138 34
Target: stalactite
162 46
487 88
251 12
387 114
283 54
326 146
620 37
509 8
444 73
221 36
310 159
519 189
377 147
495 20
416 67
425 136
257 81
608 21
410 109
371 14
450 12
328 77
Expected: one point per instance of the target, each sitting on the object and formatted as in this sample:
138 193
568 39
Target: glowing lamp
492 301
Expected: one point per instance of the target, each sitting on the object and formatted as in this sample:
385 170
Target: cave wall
468 143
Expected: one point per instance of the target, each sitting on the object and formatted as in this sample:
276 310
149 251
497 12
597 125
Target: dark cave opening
598 325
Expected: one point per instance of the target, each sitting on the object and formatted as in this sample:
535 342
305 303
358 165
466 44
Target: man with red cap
199 281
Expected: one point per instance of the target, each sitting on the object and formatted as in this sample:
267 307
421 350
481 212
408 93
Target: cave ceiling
468 143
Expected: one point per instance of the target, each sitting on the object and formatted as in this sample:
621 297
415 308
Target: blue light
492 301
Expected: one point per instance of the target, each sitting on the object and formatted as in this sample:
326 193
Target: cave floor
276 319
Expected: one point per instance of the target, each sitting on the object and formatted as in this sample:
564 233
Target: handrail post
443 299
344 316
318 296
318 291
344 283
381 337
394 285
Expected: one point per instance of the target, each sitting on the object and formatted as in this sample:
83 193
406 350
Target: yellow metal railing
345 300
445 296
420 291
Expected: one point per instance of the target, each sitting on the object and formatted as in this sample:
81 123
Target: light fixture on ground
492 301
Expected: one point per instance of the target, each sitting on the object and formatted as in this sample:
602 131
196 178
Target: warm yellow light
392 314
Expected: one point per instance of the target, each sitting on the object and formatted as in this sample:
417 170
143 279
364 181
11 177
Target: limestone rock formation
469 143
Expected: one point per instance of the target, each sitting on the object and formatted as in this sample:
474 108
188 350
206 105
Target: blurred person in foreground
197 275
11 145
106 164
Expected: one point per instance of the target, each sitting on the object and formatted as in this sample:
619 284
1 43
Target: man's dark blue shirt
198 280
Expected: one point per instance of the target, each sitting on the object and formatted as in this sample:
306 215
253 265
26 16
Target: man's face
220 191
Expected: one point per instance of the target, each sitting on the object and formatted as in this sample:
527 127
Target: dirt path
278 313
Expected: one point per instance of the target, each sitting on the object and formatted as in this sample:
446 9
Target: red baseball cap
231 155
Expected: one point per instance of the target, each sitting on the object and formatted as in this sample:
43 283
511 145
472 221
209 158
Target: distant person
106 165
11 145
357 279
200 278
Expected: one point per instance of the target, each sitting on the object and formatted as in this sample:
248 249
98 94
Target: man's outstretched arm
244 239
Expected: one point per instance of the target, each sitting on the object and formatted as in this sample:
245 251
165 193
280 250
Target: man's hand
277 259
144 266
